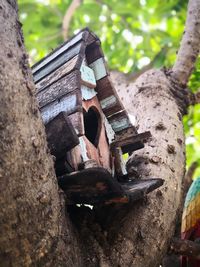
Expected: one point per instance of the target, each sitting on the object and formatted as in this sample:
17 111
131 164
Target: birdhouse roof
58 78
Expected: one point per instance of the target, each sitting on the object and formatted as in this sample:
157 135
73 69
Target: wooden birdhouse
88 129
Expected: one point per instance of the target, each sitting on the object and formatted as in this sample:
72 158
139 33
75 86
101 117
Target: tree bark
35 229
151 225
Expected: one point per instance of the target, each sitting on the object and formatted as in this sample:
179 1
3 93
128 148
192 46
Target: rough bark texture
190 45
33 228
150 226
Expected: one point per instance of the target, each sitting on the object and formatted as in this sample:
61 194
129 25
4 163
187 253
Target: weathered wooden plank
57 62
62 87
77 121
70 103
58 51
98 66
135 190
92 38
120 166
61 135
57 74
119 121
97 186
93 185
108 97
87 77
87 93
94 52
130 143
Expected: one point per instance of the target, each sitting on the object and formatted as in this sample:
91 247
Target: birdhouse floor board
61 135
62 87
57 74
97 186
57 62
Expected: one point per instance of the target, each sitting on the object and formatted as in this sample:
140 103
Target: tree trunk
35 230
151 225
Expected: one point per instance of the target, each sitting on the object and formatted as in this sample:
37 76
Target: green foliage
133 33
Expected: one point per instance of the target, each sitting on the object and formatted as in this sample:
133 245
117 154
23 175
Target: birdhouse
88 129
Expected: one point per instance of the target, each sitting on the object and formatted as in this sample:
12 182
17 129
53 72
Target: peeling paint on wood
57 62
120 123
87 76
68 103
108 102
87 93
99 69
109 130
57 74
58 89
83 149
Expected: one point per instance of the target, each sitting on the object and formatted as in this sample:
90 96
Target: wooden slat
77 122
57 74
61 135
87 77
64 47
69 103
108 97
97 186
57 62
98 66
130 143
62 87
92 38
119 121
94 52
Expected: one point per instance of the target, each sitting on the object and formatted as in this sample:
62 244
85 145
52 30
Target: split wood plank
57 74
57 90
61 135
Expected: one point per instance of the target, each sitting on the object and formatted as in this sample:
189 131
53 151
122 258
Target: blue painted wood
58 52
57 62
69 103
99 68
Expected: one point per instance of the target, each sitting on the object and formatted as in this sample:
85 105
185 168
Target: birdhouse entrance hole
92 125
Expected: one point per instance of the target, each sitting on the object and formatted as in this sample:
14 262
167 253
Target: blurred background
135 35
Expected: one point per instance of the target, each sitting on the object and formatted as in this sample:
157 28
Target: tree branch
186 248
189 175
68 16
196 98
190 45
